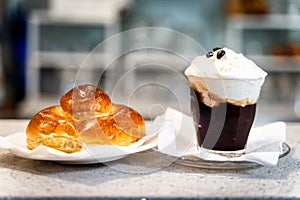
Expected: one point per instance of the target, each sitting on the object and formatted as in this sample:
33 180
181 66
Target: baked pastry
123 127
86 116
53 127
86 101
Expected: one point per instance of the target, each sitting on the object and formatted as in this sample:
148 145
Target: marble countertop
145 176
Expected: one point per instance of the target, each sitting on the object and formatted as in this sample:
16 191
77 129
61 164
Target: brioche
53 127
86 101
123 127
86 116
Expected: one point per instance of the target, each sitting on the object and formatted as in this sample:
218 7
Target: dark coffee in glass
224 127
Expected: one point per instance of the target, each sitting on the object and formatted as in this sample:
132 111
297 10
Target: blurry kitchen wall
268 32
202 20
56 42
13 52
44 42
155 72
54 38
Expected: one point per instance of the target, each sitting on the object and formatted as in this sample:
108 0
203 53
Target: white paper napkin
16 143
178 139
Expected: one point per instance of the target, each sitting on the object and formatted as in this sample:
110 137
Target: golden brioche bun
122 128
53 127
93 119
86 101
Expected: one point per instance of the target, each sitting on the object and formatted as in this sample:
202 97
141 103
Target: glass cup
223 111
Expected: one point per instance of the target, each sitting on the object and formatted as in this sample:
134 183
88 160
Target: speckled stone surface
145 175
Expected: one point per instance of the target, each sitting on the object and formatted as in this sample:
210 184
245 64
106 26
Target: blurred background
43 43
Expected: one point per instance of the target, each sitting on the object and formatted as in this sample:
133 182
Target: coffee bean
220 54
209 54
216 48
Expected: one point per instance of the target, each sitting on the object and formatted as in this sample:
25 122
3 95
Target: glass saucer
193 161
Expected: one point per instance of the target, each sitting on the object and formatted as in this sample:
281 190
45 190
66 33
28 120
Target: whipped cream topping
231 65
225 76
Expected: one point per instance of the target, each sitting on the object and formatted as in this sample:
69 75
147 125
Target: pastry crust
96 120
53 127
86 101
122 128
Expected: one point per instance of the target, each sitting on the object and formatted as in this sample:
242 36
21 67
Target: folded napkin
178 138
